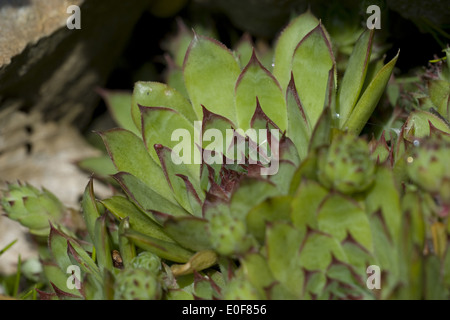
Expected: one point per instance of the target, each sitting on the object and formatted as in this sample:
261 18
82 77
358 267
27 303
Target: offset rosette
429 165
346 165
137 284
31 207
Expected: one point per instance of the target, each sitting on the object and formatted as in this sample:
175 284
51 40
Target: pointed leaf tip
210 71
259 114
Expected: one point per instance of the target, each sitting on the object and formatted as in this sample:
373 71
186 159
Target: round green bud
228 234
346 165
147 260
137 284
428 165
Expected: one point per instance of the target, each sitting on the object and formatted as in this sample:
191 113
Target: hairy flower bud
147 260
137 284
346 165
229 234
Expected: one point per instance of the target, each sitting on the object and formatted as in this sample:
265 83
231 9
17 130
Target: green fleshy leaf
194 200
213 127
126 247
315 284
283 250
446 266
81 258
306 203
358 256
37 223
119 106
129 154
203 289
412 204
439 91
257 271
312 83
251 192
386 253
108 285
434 286
145 198
59 277
321 135
286 45
353 80
338 216
412 244
317 251
343 273
63 295
384 196
283 176
178 185
57 242
165 250
102 244
162 126
288 151
90 209
155 94
372 70
93 288
217 277
271 210
299 129
369 99
190 232
122 209
254 82
343 283
380 151
260 120
279 292
178 294
307 169
185 282
330 95
210 73
418 124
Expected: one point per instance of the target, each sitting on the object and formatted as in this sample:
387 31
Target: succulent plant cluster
336 206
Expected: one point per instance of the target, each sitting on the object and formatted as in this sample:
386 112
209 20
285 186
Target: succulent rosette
346 165
297 209
428 165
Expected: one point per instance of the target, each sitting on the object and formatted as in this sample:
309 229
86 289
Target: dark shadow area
416 48
14 3
145 45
